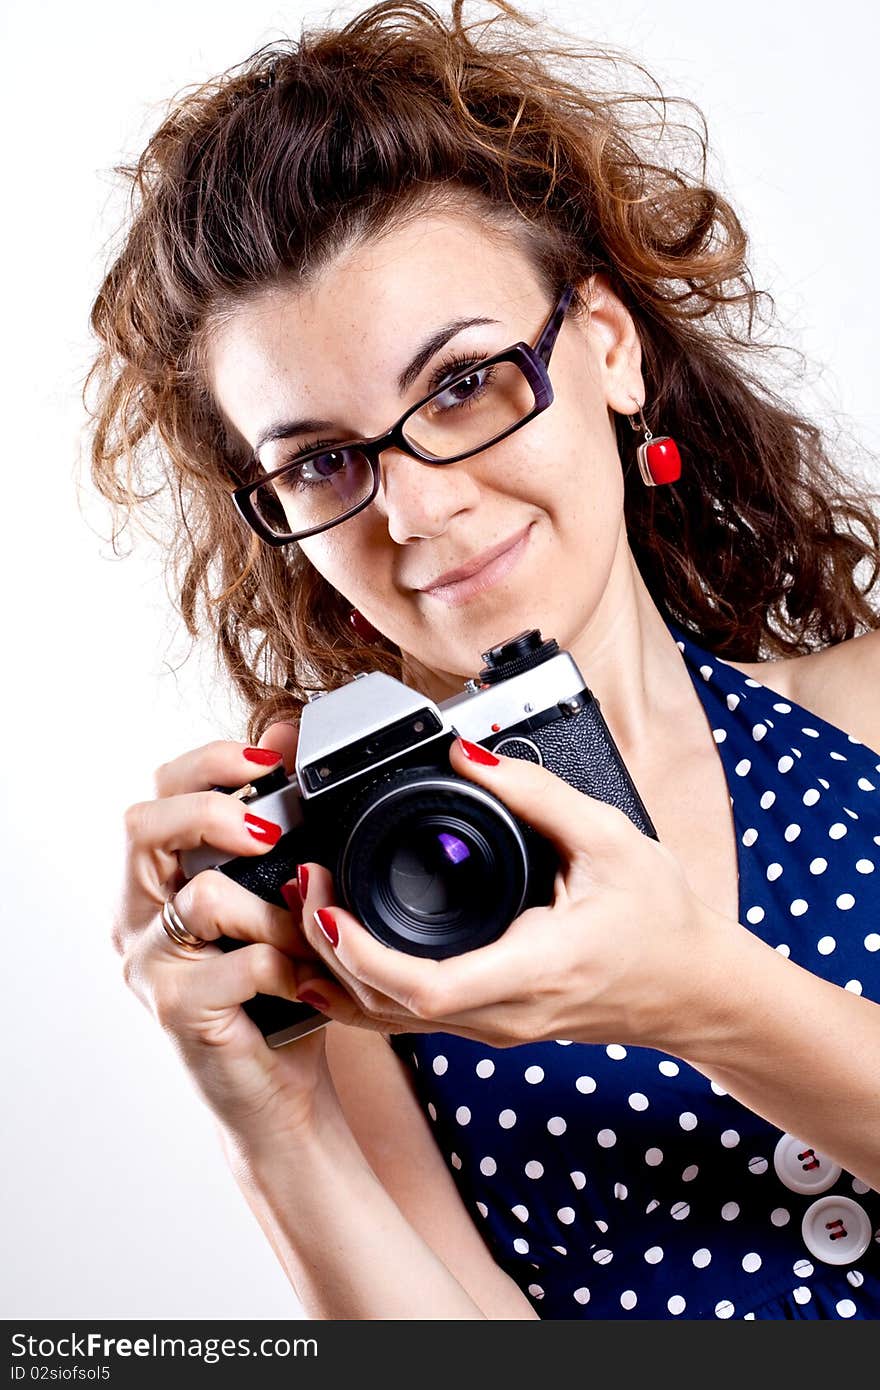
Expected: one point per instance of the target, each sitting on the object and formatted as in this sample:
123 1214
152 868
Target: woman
655 1097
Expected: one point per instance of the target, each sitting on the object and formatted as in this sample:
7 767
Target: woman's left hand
619 954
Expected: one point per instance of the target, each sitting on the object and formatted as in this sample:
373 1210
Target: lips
474 565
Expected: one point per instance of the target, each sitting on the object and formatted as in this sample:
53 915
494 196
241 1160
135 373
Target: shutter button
802 1168
836 1230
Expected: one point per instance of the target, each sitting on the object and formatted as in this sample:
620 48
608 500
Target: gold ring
173 924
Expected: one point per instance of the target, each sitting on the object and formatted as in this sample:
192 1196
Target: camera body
431 863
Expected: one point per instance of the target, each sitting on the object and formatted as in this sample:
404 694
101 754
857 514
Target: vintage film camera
431 863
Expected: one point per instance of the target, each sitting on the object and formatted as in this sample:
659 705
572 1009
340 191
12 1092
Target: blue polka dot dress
614 1181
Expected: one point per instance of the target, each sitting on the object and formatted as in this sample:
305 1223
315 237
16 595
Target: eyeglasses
478 407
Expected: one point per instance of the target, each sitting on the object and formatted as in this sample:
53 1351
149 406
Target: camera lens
433 865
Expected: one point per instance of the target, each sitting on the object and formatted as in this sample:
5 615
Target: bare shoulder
396 1138
840 684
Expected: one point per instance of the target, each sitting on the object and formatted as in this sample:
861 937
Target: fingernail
311 996
324 918
266 831
290 894
302 880
477 753
266 756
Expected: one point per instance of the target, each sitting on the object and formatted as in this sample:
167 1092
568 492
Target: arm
801 1052
386 1238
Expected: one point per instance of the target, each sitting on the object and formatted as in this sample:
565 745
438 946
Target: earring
659 460
363 627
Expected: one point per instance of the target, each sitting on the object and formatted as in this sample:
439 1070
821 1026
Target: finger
217 764
282 737
570 819
211 905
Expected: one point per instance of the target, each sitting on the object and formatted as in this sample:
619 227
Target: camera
429 862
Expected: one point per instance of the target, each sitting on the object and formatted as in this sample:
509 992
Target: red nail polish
302 880
311 996
266 756
290 894
266 831
477 753
324 918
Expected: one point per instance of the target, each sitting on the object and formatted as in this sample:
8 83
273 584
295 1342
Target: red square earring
658 459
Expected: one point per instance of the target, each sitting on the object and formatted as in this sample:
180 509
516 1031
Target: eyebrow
284 429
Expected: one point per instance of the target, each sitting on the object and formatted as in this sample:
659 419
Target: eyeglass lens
460 418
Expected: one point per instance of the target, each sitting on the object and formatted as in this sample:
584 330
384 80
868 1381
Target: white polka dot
853 815
773 872
865 785
621 1191
845 1308
838 757
730 1211
782 708
837 831
785 764
601 1225
732 701
730 1139
872 941
860 1187
823 782
507 1119
668 1068
440 1065
780 1217
534 1169
724 1309
582 1295
560 1249
654 1255
854 986
653 1157
432 1110
651 1206
679 1210
845 901
719 735
485 1067
521 1245
755 685
705 672
802 1268
802 1294
767 800
743 767
606 1138
791 832
810 733
751 1262
637 1101
864 866
755 915
757 1165
825 945
536 1291
749 837
811 796
520 1212
482 1208
579 1179
676 1305
455 1160
758 732
718 1090
603 1256
690 1173
701 1257
628 1299
818 865
566 1215
616 1052
533 1075
562 1042
784 949
488 1166
855 1277
798 907
586 1085
687 1119
463 1115
557 1125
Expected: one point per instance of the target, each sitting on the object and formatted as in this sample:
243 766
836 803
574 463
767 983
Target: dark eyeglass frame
532 361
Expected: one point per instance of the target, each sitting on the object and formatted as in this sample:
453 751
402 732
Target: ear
611 337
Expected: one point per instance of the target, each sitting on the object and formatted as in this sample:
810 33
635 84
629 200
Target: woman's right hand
255 1091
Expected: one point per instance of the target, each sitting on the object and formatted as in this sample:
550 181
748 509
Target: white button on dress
802 1168
836 1230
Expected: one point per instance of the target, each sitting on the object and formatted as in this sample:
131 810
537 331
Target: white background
118 1201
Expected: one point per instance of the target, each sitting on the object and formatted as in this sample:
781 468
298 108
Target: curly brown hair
260 176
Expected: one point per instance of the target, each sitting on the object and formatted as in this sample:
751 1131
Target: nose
418 500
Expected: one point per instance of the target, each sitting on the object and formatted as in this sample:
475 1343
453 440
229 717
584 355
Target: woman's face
334 351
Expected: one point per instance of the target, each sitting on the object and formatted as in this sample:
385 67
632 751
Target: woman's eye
462 391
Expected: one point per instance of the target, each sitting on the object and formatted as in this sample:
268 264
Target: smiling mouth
489 572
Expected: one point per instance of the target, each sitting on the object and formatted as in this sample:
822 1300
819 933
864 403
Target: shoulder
839 684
